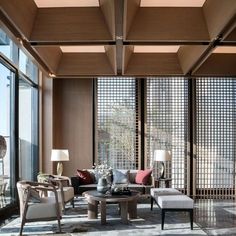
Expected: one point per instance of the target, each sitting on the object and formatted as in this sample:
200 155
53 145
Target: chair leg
59 225
73 203
191 218
21 227
151 203
162 219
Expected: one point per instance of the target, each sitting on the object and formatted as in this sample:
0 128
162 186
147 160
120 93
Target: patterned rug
75 222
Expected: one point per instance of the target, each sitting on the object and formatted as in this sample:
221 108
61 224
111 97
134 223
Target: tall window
28 130
117 122
7 162
216 98
167 126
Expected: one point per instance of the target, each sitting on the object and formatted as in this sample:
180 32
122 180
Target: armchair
64 189
34 207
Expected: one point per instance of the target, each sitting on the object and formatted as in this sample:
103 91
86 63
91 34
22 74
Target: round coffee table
128 204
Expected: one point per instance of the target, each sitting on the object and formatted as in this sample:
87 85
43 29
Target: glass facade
18 118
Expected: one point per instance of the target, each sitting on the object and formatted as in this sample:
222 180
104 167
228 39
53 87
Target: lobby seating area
114 105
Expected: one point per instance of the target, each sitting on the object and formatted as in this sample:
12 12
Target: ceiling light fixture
52 75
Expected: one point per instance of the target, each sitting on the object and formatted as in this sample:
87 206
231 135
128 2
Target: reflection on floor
216 217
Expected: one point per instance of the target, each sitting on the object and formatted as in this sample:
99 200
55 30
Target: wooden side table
166 182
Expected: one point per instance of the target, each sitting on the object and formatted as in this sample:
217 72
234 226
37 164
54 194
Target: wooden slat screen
215 174
117 122
167 126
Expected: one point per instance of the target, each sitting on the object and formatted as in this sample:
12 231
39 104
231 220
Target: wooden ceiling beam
218 64
163 24
219 15
111 54
70 25
130 10
108 10
128 51
84 64
51 56
21 15
153 64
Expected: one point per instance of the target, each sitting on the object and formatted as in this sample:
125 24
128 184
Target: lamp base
162 170
59 168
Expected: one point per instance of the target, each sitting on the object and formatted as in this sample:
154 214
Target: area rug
75 222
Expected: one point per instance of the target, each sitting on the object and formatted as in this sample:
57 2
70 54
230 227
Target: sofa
139 180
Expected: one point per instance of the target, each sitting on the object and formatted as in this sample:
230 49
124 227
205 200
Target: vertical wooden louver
117 122
167 126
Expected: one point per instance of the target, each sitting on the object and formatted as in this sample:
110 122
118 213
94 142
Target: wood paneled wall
46 123
73 121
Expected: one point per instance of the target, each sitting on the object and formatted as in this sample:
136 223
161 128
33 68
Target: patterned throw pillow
143 176
85 177
120 176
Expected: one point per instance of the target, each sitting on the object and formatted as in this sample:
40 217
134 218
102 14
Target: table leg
92 209
124 212
132 209
103 212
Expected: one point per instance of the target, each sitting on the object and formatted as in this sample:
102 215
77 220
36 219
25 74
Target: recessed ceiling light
225 49
156 49
66 3
172 3
81 49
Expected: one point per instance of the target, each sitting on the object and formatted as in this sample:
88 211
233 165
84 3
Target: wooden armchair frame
25 201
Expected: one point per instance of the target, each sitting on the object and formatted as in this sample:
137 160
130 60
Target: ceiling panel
172 3
66 3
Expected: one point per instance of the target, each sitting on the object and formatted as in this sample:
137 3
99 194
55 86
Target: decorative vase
102 186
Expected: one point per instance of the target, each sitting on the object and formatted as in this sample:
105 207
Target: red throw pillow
84 177
142 176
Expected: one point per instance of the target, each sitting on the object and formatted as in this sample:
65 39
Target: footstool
157 192
175 203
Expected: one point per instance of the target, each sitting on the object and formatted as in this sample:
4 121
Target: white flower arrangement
102 170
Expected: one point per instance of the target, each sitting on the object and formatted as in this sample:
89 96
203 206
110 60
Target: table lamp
162 156
59 155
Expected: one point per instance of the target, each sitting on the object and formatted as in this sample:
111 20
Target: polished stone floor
216 217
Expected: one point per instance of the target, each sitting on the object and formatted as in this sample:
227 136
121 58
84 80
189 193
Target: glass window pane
27 131
8 48
6 130
28 67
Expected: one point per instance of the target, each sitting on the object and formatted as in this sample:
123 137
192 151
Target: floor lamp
60 155
162 156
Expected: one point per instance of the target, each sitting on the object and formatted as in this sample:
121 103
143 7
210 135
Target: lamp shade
60 155
162 155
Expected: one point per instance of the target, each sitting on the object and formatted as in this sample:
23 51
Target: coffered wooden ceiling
79 38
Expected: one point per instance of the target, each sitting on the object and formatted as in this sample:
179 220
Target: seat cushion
68 193
45 209
156 192
175 202
143 176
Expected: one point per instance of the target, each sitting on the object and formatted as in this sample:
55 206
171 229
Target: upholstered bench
175 203
157 192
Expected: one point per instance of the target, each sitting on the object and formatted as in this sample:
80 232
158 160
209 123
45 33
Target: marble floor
216 217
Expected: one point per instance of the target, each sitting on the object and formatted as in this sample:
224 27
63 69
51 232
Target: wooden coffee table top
95 195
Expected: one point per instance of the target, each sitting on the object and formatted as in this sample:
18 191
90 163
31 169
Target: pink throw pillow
84 177
142 176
